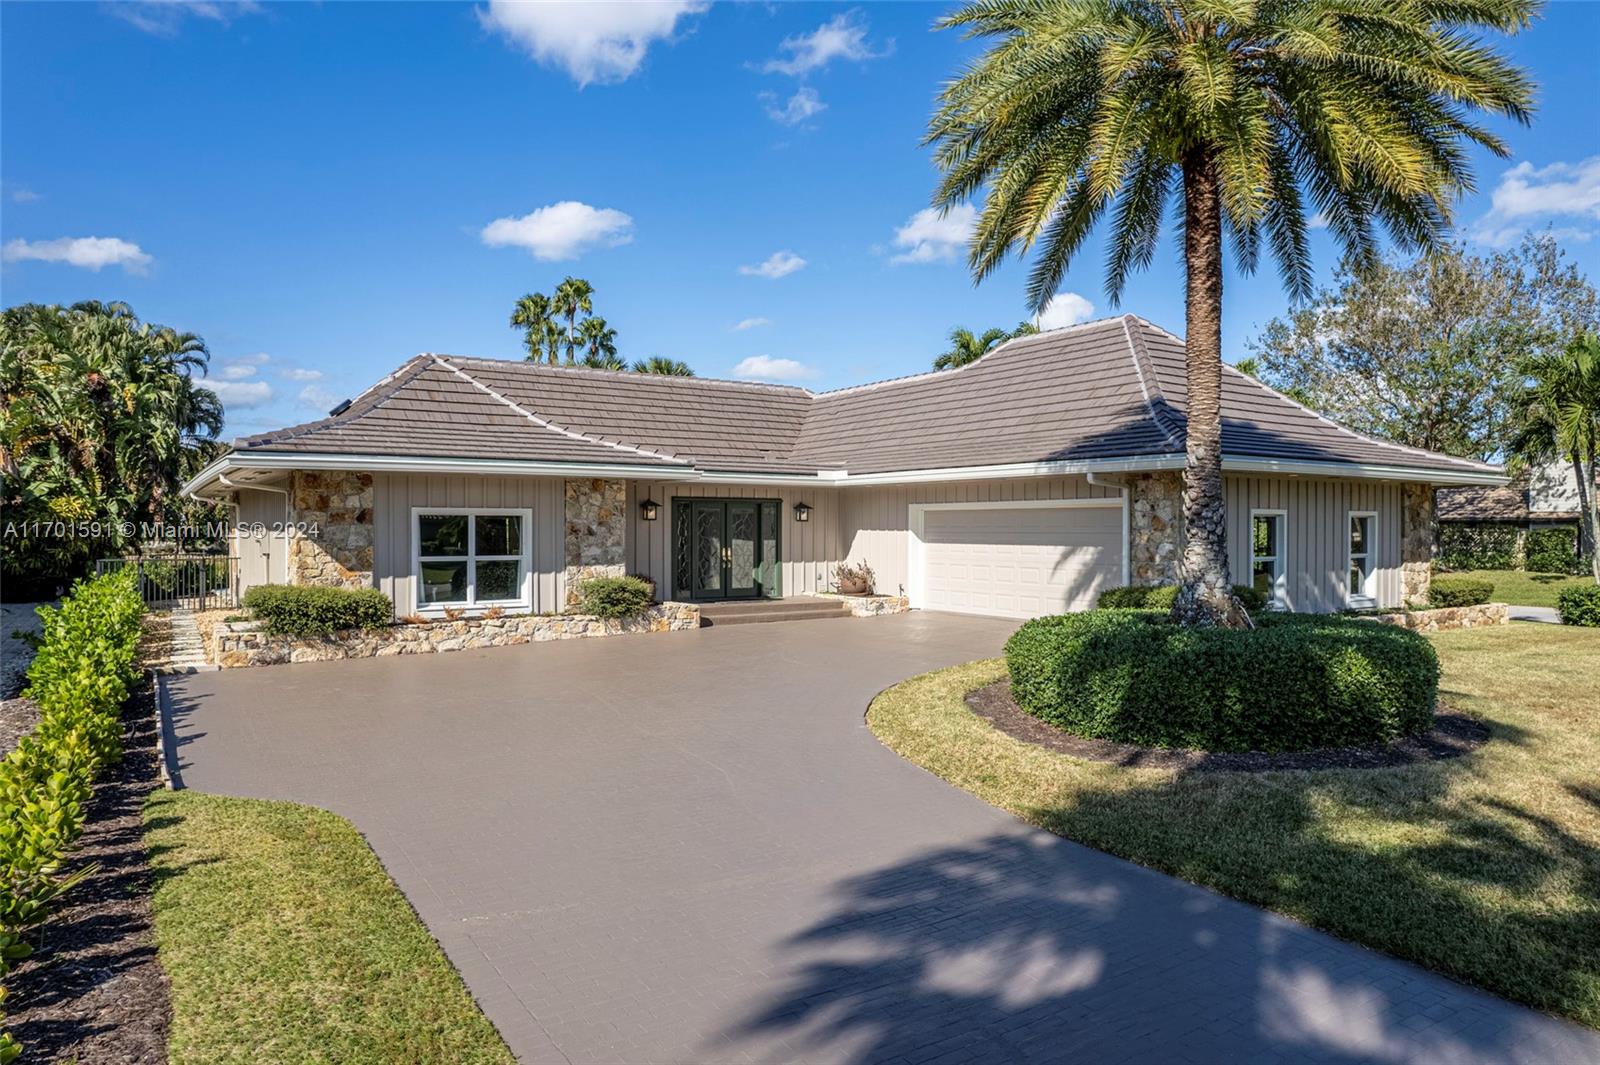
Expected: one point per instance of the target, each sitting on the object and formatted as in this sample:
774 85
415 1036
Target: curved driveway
687 847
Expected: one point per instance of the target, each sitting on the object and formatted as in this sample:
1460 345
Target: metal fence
201 582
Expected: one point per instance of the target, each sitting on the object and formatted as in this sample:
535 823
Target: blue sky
323 190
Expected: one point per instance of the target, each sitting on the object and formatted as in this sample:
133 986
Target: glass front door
728 549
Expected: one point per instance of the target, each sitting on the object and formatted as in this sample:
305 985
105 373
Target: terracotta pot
858 586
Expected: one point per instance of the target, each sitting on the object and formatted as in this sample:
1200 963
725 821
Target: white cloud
24 195
1527 196
241 367
561 230
841 37
778 264
751 323
164 18
766 368
931 236
241 394
804 104
595 43
317 398
1318 221
91 253
296 373
1064 308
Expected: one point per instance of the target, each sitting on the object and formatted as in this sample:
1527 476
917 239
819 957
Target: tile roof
1109 389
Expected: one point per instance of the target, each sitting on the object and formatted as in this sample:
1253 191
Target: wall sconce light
802 512
649 510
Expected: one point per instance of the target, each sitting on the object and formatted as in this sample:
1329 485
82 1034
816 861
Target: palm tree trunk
1589 505
1205 597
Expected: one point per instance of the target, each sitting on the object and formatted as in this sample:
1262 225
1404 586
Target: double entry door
732 547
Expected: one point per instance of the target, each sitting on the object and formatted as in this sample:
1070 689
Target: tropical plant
657 364
573 295
966 347
1247 110
531 315
1559 417
604 362
599 340
102 419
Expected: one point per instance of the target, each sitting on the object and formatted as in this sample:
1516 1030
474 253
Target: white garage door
1019 562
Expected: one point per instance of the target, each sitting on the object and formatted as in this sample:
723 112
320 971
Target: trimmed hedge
1459 591
615 597
1162 596
309 610
82 674
1479 546
1553 551
1580 605
1295 682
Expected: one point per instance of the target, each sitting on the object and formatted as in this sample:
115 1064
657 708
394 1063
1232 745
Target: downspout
284 492
1127 522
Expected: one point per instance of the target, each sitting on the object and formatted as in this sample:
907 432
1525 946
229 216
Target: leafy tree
966 348
573 295
1429 352
101 420
656 364
1558 413
1248 111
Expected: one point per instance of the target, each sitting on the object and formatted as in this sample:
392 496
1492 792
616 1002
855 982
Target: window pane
499 580
499 534
444 582
1264 536
442 534
1358 535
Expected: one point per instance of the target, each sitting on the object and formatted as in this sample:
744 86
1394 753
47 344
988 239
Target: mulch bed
94 991
17 718
1453 735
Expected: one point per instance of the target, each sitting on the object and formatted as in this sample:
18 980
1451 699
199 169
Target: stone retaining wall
870 606
241 644
1449 617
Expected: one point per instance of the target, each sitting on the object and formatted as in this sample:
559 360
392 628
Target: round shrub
1580 605
1459 591
1295 682
311 610
614 597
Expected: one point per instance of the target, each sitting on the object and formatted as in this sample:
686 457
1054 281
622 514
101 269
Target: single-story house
1022 484
1538 497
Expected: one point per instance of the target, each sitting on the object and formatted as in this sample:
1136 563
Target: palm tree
966 348
659 365
612 361
573 295
1559 418
531 315
599 339
1246 110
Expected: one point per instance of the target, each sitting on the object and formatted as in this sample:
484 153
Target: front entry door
726 549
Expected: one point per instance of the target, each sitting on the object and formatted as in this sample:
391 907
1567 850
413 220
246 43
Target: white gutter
279 460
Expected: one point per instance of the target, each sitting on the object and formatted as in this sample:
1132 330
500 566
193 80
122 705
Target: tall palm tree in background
599 340
1559 419
531 315
667 367
1248 110
572 296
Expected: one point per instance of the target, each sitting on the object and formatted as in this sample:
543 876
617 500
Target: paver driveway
688 847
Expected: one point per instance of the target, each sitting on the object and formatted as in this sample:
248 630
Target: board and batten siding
876 521
1317 534
810 549
394 494
263 559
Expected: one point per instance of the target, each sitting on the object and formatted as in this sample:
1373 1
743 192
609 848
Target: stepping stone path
186 652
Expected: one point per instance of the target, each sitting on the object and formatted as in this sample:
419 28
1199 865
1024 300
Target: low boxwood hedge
1295 682
309 610
1459 591
615 597
1162 596
1580 605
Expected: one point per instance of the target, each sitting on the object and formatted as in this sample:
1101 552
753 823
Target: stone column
1155 534
1419 538
335 547
597 516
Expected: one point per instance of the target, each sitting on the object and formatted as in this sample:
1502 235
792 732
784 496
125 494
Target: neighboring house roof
1105 394
1517 502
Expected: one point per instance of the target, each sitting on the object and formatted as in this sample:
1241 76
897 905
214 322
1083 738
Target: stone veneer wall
1419 538
241 644
597 517
339 505
870 606
1449 617
1155 527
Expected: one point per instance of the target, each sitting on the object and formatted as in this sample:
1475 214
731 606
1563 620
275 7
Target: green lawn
286 941
1523 589
1486 867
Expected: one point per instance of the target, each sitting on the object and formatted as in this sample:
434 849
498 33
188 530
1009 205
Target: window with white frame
1268 573
1362 589
472 558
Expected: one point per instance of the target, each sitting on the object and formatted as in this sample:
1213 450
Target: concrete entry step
758 611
